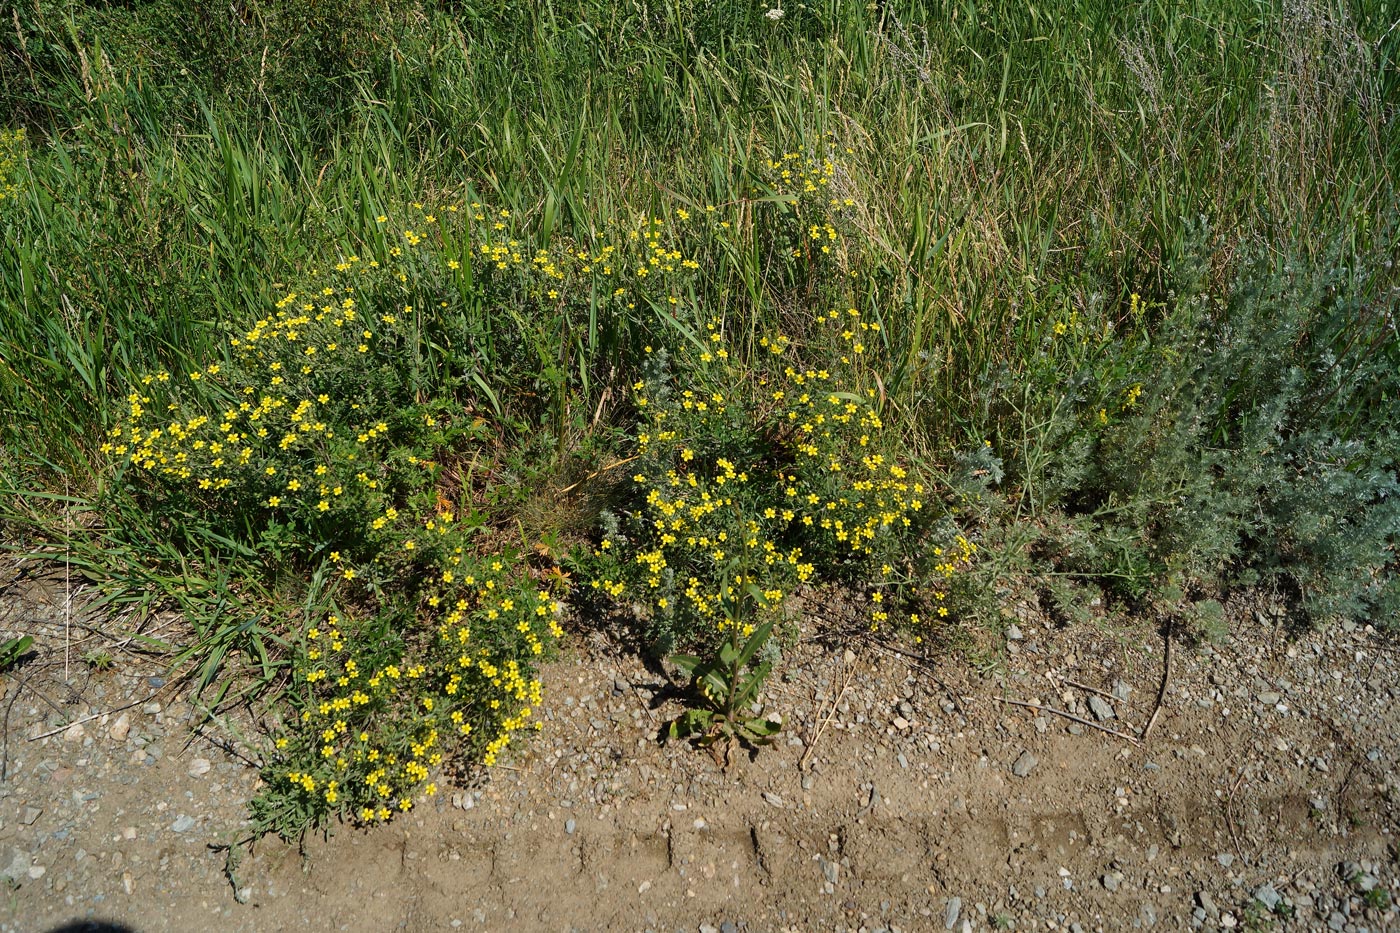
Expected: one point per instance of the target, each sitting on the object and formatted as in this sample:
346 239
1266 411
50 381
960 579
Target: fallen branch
821 723
1070 716
1161 690
106 712
1086 687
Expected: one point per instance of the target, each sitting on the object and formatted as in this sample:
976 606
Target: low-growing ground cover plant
329 444
773 470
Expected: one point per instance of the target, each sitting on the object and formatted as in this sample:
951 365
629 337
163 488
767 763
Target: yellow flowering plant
779 464
384 702
316 446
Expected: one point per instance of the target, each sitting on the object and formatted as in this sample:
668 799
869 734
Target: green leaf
762 728
715 686
756 641
752 683
12 650
686 662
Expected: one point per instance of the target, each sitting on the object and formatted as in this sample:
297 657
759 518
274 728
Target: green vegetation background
1133 263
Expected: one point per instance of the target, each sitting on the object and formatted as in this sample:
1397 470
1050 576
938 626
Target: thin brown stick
1086 687
1070 716
107 712
1230 815
1161 690
596 473
821 723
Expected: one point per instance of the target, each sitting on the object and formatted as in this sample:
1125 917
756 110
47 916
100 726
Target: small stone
950 916
1024 765
773 800
1101 708
183 824
1225 859
1013 633
17 868
36 872
1121 690
199 767
120 728
729 926
830 870
708 928
1207 904
29 815
901 723
570 826
1269 698
1110 882
1267 896
74 733
129 833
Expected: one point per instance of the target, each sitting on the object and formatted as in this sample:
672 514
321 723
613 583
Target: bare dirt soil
901 795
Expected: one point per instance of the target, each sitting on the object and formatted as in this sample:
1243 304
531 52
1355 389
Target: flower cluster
382 713
767 475
311 437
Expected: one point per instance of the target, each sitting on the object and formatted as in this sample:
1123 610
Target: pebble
1013 633
569 826
199 767
1269 698
1025 764
1266 895
950 915
18 867
1101 708
29 815
183 824
74 733
120 728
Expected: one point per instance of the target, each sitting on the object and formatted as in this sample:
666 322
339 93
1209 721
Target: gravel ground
902 795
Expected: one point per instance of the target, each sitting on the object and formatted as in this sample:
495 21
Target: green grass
1051 205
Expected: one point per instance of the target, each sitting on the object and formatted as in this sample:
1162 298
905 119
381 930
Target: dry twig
1162 690
821 723
1070 716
